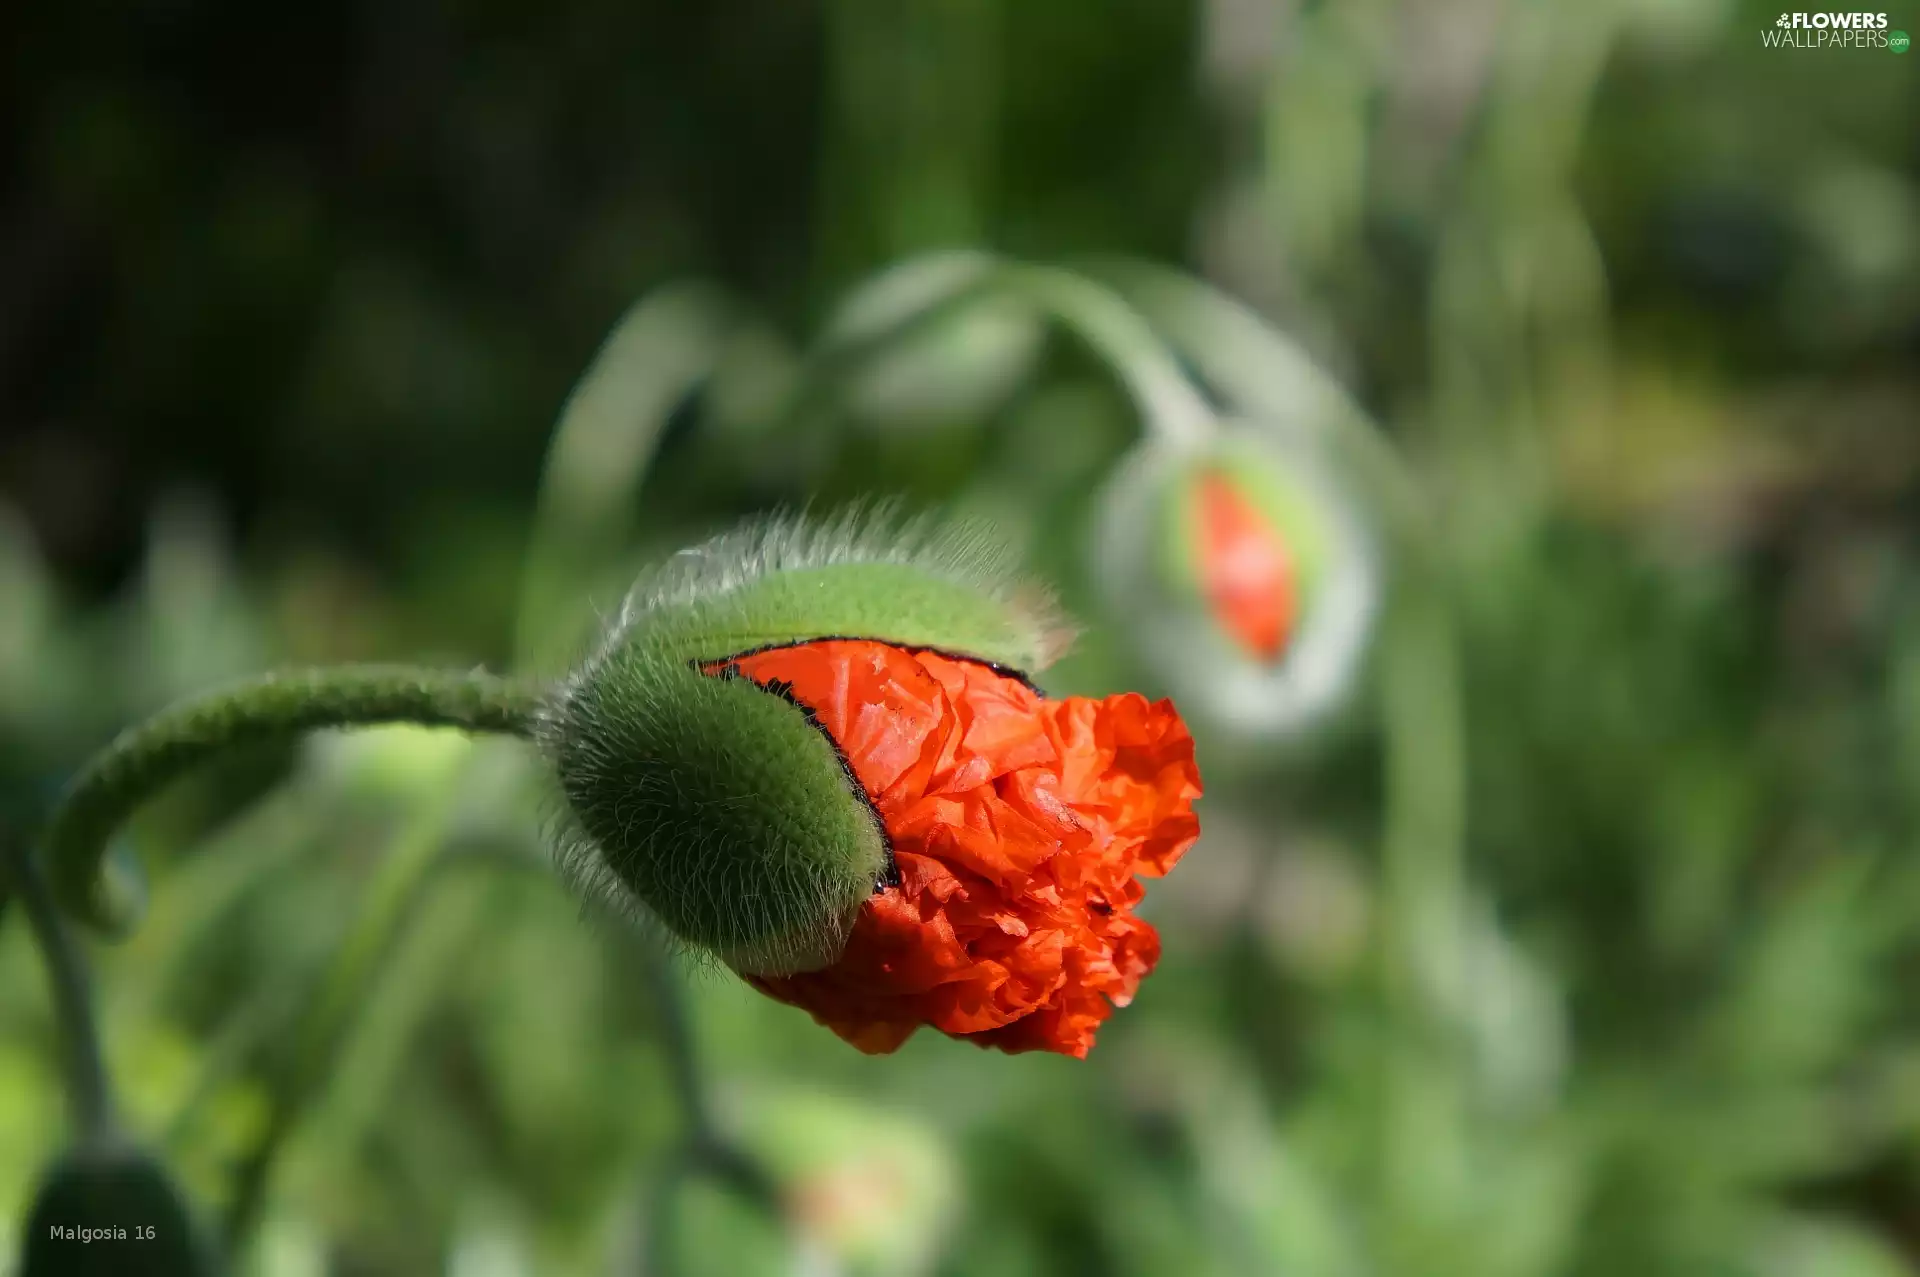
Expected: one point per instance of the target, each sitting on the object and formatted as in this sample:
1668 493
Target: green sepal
719 806
867 574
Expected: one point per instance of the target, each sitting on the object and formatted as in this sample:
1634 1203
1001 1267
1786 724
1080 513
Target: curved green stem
147 757
88 1090
1261 373
1170 406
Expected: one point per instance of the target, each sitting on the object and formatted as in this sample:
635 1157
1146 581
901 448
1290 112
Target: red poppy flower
1019 828
1248 575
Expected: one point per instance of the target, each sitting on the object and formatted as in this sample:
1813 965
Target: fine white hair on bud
720 809
965 592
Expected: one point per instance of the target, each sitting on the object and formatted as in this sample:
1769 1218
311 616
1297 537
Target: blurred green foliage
286 315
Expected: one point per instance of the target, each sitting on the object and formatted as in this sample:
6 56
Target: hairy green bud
719 808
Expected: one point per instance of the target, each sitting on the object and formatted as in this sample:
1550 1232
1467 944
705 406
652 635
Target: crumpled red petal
1245 568
1020 828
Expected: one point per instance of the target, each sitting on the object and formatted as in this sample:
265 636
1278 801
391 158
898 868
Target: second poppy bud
1247 578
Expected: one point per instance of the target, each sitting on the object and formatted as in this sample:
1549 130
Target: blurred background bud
125 1206
1243 573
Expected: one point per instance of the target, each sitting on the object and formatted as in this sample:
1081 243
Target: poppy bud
811 751
111 1209
1246 577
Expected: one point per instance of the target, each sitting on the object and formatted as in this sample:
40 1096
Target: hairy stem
147 757
88 1091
